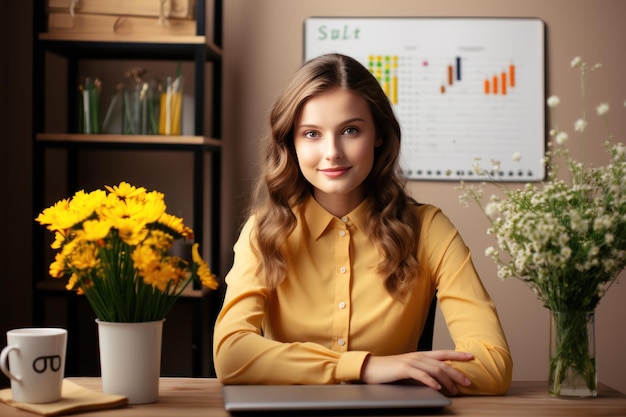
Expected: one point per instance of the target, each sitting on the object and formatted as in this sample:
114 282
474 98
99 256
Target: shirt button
341 342
343 269
342 305
344 219
342 233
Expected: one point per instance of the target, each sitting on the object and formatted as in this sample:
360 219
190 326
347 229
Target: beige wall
263 46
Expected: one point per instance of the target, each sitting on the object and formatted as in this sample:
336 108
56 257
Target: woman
336 267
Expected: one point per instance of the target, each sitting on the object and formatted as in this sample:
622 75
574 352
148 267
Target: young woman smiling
336 267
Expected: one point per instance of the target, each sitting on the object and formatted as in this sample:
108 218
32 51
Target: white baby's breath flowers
602 109
553 101
517 156
619 150
561 138
491 209
580 125
477 168
564 236
566 252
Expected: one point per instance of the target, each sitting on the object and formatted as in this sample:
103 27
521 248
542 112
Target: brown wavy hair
392 223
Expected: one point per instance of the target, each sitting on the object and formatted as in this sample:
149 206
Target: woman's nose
333 147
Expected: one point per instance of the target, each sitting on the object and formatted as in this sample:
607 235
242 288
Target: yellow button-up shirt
332 310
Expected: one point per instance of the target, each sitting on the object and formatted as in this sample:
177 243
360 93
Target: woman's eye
351 131
310 135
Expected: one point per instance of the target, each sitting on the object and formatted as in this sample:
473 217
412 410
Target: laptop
264 398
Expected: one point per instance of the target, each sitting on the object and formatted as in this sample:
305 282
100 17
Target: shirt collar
318 219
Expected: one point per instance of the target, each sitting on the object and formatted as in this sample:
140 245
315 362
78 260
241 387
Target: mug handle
4 360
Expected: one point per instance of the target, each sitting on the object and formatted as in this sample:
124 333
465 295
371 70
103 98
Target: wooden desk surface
202 397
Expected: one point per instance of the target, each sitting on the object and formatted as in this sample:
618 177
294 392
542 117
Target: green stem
582 102
572 359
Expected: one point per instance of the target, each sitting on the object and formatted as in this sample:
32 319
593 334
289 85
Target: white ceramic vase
130 359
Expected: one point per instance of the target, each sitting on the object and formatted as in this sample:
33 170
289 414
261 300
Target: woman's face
334 138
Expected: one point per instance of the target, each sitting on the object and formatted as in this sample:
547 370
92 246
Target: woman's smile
335 172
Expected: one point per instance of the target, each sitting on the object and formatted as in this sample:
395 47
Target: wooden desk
202 397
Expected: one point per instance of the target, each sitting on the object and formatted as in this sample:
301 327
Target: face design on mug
43 363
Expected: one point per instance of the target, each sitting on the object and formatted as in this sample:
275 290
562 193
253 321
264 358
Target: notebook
250 398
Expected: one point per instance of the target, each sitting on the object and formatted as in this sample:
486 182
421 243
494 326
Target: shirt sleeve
243 355
469 312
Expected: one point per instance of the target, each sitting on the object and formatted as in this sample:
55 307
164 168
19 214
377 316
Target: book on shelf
122 25
183 9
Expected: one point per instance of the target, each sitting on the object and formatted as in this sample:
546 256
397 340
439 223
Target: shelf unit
204 145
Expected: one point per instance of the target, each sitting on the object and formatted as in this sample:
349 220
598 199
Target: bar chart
462 89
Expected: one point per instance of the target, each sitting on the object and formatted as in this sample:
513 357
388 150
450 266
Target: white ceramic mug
34 359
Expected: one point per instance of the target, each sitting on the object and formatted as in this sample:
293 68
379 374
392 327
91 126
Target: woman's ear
378 142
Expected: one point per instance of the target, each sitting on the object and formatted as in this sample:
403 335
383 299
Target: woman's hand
428 367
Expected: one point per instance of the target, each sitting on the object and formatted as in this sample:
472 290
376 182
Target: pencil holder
88 117
140 112
171 106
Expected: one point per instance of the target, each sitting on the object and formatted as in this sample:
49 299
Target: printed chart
465 91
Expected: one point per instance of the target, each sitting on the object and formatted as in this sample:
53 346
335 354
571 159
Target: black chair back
426 339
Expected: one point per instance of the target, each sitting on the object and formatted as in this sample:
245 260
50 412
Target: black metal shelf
115 141
132 49
196 49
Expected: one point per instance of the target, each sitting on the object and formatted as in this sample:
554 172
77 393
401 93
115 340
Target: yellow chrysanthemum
57 267
130 231
84 256
160 275
204 272
180 271
148 211
74 283
94 230
84 204
125 190
154 206
159 240
145 258
116 208
68 249
57 217
176 224
59 240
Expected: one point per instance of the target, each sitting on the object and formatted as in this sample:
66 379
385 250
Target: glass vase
573 370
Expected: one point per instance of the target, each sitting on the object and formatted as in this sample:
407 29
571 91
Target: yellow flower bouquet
115 249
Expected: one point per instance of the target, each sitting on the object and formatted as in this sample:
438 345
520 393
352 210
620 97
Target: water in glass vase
573 370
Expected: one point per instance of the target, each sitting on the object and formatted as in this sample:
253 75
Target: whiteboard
466 91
